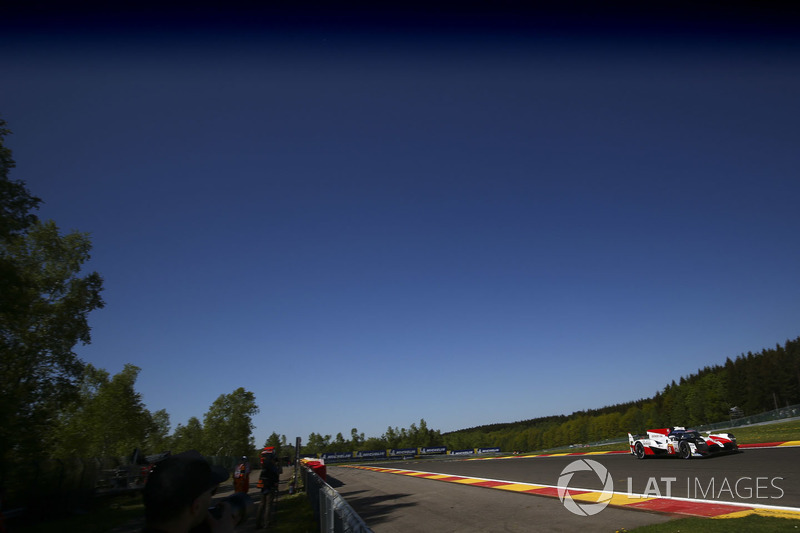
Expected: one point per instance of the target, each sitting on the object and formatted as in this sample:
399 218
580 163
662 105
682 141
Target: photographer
178 495
268 483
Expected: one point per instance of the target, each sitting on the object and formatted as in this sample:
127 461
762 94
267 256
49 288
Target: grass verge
295 515
761 524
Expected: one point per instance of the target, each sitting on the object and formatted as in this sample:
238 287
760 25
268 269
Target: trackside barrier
790 411
332 512
401 453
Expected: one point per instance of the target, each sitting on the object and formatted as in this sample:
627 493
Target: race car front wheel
684 450
638 450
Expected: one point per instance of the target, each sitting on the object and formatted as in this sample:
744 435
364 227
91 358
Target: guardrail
333 513
741 420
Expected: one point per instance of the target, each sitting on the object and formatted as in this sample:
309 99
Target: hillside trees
414 436
45 301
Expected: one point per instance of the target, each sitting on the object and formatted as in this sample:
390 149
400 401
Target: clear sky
368 220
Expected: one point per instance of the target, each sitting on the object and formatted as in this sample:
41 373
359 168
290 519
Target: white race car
685 443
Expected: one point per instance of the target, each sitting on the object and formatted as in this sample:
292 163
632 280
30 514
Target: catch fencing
739 419
331 510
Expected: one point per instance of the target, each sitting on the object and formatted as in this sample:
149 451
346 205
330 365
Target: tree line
108 418
414 436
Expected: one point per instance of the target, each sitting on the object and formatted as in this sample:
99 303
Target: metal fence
741 419
331 510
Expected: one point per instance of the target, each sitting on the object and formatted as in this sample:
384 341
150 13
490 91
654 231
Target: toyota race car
685 443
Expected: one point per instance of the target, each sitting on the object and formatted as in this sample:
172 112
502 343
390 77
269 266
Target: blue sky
365 227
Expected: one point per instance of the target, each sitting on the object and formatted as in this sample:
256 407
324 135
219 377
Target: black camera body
239 503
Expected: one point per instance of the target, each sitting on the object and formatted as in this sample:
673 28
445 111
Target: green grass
761 524
295 515
780 431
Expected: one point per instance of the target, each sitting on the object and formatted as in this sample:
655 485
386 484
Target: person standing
268 483
241 476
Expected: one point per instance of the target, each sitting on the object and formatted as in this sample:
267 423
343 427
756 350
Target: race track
463 495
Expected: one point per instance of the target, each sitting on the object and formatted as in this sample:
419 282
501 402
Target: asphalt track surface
390 502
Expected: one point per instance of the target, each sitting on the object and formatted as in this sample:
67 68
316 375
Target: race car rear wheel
684 450
638 450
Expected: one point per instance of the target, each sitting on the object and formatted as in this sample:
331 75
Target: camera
239 503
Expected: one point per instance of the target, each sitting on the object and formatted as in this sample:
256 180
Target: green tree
339 444
189 437
317 443
277 442
374 443
44 308
391 437
229 424
356 439
158 435
107 419
16 202
632 420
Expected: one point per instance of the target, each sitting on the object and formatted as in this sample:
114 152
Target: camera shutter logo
585 509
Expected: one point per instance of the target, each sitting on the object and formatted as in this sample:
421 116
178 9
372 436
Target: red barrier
318 467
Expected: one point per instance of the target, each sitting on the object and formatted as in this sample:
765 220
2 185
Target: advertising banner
403 452
375 454
433 450
471 451
489 450
337 456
